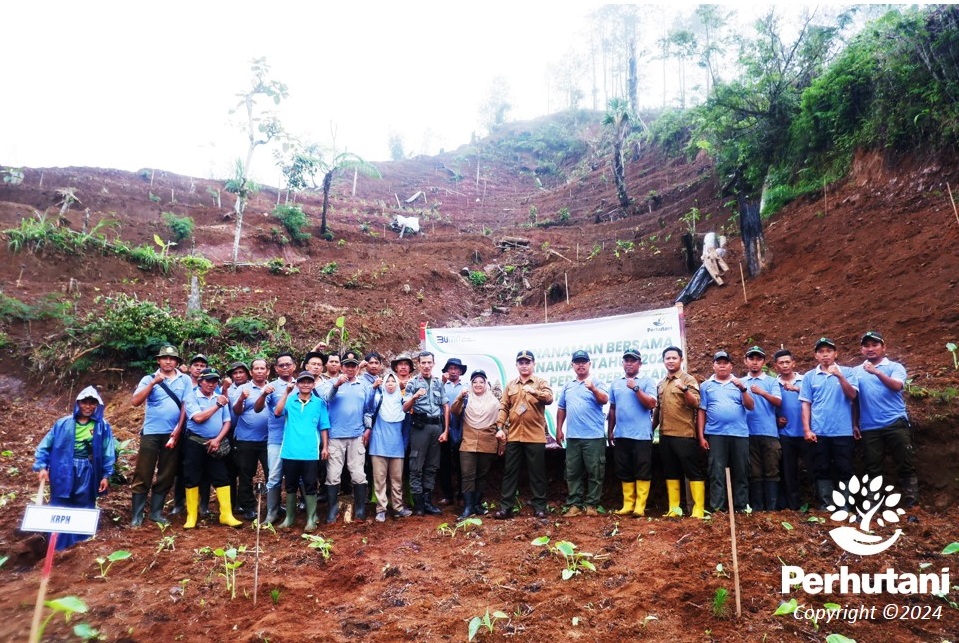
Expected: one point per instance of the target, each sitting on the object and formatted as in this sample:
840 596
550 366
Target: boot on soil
673 499
192 507
359 502
757 495
479 505
204 500
290 511
310 514
332 497
428 505
418 509
139 504
697 489
824 493
772 494
629 499
910 491
469 497
272 505
642 495
156 509
226 508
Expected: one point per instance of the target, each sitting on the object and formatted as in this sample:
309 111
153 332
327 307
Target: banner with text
494 348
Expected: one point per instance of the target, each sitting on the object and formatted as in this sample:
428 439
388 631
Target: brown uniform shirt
476 439
525 412
676 417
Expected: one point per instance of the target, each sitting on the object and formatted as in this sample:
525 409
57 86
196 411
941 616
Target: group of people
406 424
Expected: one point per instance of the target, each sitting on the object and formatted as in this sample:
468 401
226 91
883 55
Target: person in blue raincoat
77 457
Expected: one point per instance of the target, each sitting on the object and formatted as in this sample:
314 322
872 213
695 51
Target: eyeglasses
285 365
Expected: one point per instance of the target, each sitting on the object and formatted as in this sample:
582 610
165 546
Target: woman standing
386 450
478 408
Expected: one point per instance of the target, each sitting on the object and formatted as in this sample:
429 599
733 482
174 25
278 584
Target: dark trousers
246 455
475 467
733 452
297 471
199 465
153 456
633 459
451 477
832 458
534 453
765 452
424 457
585 462
895 440
797 454
682 457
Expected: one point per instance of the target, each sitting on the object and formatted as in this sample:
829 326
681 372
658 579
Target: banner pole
545 309
680 309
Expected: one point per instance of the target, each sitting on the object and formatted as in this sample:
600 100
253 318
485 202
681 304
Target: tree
494 110
711 20
682 46
397 149
262 126
619 120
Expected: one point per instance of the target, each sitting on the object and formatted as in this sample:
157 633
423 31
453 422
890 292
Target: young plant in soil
576 561
166 543
323 545
488 621
230 565
106 563
68 606
275 595
719 602
465 524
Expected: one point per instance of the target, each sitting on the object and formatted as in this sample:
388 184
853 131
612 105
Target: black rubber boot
204 500
824 493
156 509
332 497
757 496
359 501
179 496
418 504
479 509
910 491
469 498
772 494
139 504
428 505
272 505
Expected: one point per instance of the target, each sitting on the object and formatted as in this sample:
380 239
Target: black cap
454 361
208 374
872 336
311 355
306 375
632 352
349 357
478 373
825 341
525 355
199 357
580 356
755 350
721 355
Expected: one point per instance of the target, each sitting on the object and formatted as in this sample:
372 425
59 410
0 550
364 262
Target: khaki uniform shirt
523 415
676 417
476 439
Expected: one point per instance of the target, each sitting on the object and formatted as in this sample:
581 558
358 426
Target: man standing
163 392
795 449
582 400
349 399
250 435
450 450
883 420
269 397
827 394
194 367
679 447
425 399
632 399
521 425
764 448
723 432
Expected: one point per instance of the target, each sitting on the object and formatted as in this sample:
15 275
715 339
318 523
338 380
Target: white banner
494 348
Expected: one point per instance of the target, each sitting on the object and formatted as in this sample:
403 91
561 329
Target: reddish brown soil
876 253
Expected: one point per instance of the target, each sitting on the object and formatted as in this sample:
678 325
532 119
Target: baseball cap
525 355
208 374
755 350
825 341
721 355
871 336
580 356
632 352
305 375
478 373
199 357
349 357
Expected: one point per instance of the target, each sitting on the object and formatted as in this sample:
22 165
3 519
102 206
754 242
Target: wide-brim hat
455 361
237 365
402 357
170 351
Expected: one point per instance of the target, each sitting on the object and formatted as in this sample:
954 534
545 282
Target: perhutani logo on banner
862 502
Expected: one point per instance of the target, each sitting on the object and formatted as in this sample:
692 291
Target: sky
129 85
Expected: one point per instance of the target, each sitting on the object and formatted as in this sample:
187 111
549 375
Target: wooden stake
545 307
732 534
44 578
256 561
742 278
953 201
566 279
825 204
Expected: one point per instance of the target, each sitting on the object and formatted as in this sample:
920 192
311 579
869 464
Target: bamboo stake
545 307
44 578
256 560
732 534
953 201
566 279
825 204
742 278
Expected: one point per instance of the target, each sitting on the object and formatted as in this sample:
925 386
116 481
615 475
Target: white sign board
64 520
494 348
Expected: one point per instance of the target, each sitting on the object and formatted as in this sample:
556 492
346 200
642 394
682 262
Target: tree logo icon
863 501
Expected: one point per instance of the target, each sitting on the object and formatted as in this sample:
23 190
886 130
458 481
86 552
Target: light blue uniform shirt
880 406
347 405
274 425
791 409
584 415
303 422
762 419
195 403
456 423
725 413
162 413
250 425
633 420
831 412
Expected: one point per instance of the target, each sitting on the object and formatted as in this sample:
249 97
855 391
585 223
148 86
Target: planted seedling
464 524
576 561
719 602
106 563
68 606
166 543
275 595
230 565
488 621
323 545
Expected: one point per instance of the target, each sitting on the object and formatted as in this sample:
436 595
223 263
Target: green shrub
147 258
477 278
294 220
245 327
180 227
329 269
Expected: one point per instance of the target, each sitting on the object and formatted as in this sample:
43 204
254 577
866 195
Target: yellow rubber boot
226 508
672 492
642 495
629 498
698 490
192 507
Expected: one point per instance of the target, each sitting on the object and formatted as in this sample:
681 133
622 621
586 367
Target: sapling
487 620
230 565
576 561
719 602
106 563
68 606
323 545
275 595
465 524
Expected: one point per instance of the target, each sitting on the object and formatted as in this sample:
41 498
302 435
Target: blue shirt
762 419
456 422
791 409
725 413
584 415
162 413
347 405
250 425
274 425
633 420
195 403
879 405
303 423
831 411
